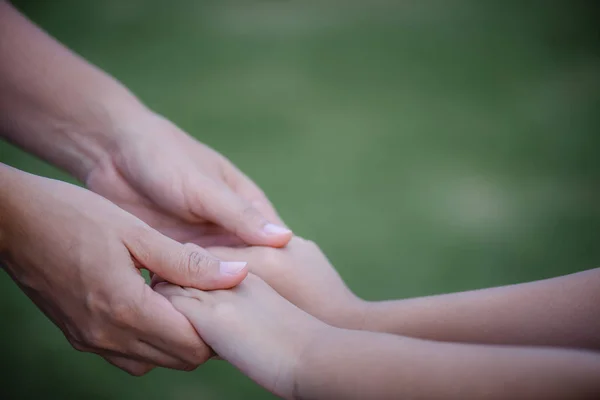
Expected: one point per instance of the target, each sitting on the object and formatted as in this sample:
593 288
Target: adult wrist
53 103
76 133
99 131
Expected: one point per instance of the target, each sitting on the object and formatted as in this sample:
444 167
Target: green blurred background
427 146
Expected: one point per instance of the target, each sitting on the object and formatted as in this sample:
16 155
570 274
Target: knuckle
250 214
94 337
196 294
98 338
136 237
248 211
97 303
124 313
260 197
196 260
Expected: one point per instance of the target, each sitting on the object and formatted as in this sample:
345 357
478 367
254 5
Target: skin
561 311
99 299
553 312
59 107
301 273
294 355
68 112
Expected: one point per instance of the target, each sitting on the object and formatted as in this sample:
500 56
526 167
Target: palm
180 187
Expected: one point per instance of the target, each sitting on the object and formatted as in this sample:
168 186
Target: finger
156 279
247 189
167 330
255 256
169 290
196 312
251 254
224 207
146 351
185 265
132 367
224 239
264 206
218 331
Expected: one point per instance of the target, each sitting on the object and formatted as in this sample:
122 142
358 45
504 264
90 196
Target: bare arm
53 103
358 365
561 311
294 355
59 107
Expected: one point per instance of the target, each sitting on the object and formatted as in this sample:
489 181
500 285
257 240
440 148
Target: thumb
224 207
183 264
261 260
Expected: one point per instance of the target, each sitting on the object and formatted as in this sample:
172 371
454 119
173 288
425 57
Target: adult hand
183 188
78 257
73 115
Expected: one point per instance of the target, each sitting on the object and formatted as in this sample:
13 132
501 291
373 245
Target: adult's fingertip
276 230
229 268
276 235
232 273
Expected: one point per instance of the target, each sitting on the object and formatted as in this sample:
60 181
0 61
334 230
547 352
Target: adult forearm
4 209
55 104
12 201
359 365
555 312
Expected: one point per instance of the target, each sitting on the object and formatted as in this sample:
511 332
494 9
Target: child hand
301 273
252 327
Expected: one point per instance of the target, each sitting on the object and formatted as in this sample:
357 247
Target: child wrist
356 314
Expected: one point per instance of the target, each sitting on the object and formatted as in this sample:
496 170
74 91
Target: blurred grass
427 146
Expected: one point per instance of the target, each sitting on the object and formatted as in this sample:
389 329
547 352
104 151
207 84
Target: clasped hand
78 255
267 325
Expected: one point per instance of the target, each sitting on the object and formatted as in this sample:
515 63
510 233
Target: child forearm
559 312
53 103
555 312
359 365
294 355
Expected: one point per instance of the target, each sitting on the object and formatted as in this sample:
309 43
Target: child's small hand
252 327
301 273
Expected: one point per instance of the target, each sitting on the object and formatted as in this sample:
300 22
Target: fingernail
231 267
272 229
